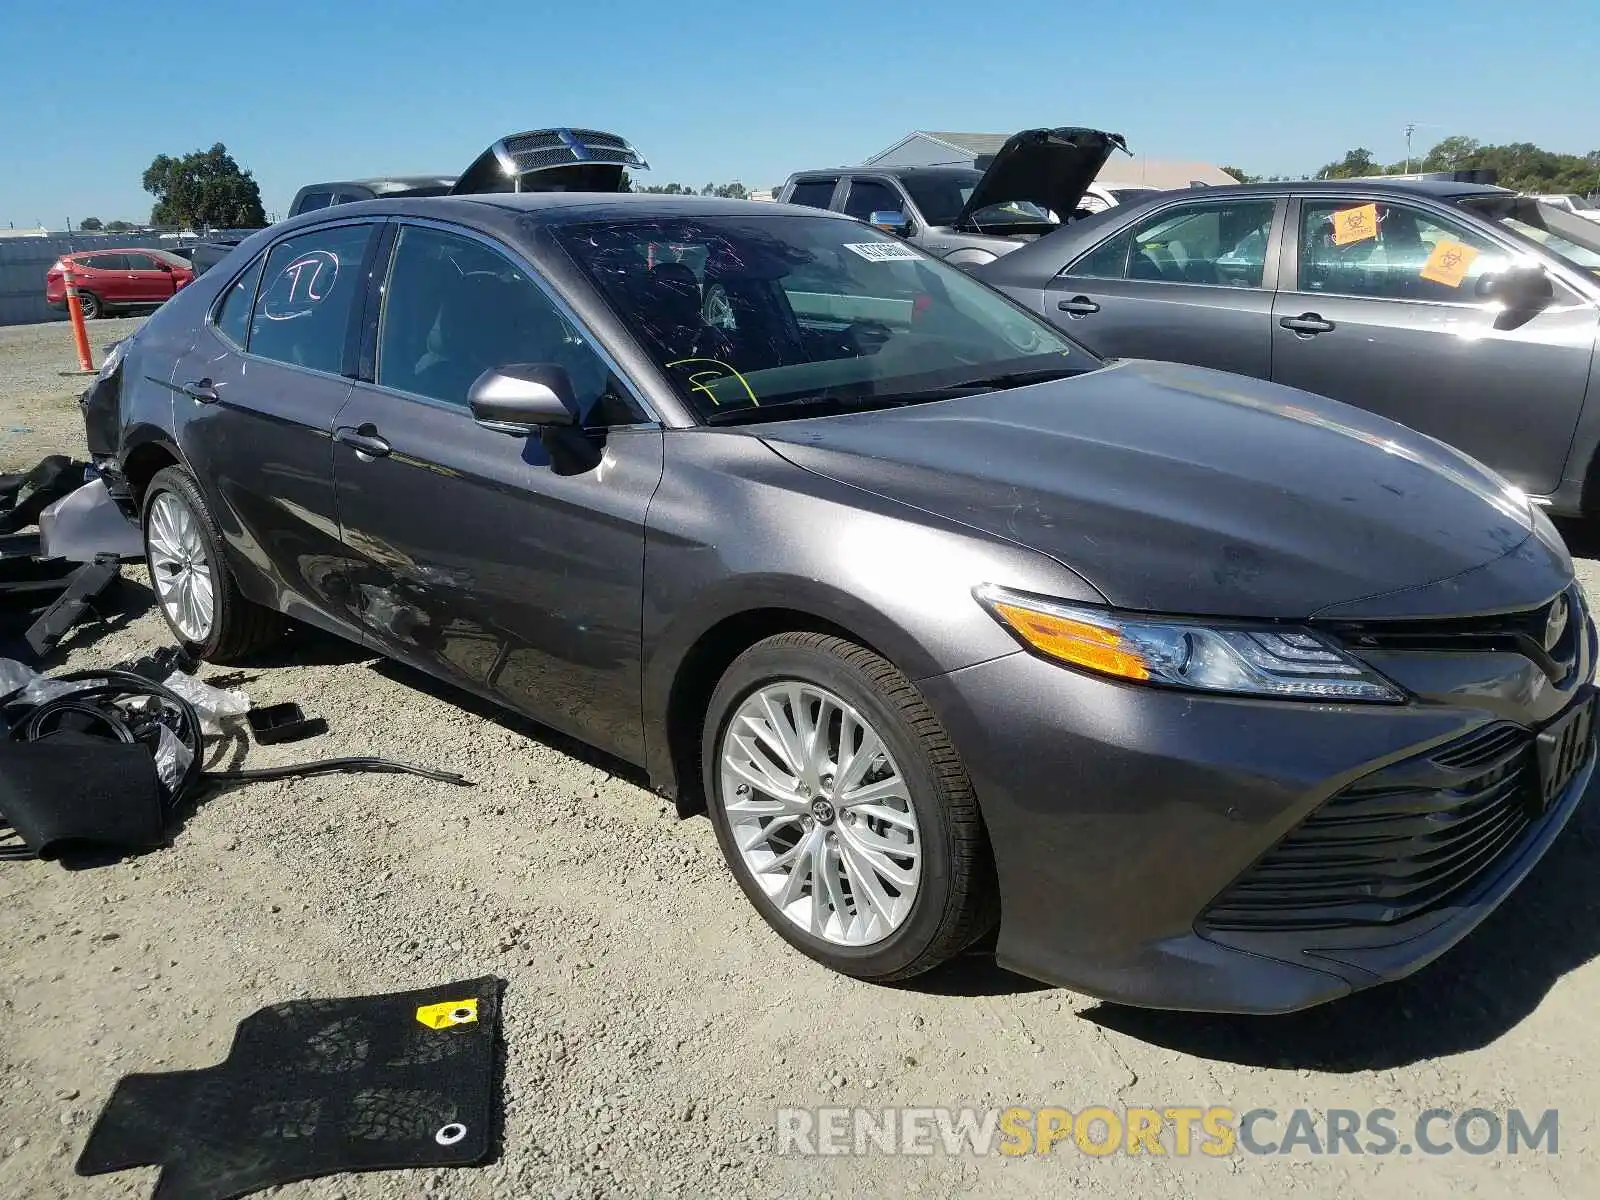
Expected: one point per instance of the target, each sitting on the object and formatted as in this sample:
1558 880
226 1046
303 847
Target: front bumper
1119 814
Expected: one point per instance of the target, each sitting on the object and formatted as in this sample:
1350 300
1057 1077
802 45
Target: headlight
1265 660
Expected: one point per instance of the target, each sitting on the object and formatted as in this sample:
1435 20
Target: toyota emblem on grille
1556 623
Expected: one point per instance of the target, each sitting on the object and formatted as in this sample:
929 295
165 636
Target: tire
953 902
236 628
91 306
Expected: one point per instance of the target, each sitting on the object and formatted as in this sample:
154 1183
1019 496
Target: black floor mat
315 1087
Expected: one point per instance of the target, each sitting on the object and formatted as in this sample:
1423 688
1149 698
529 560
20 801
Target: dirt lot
653 1024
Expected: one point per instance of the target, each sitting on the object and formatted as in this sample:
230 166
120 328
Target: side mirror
1523 288
522 399
891 220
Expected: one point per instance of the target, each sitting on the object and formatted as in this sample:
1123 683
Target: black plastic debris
128 725
23 497
317 1087
75 789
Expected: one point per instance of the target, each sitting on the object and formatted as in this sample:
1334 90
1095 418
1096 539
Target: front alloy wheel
820 813
843 810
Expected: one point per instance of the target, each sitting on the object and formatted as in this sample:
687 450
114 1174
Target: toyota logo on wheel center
823 811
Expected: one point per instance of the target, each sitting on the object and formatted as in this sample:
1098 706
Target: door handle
364 441
1307 325
1078 307
201 391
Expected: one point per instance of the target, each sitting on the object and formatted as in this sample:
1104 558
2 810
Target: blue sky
709 90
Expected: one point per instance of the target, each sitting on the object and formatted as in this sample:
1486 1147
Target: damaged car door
256 397
510 565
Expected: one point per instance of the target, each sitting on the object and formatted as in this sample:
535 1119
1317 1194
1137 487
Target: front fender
735 530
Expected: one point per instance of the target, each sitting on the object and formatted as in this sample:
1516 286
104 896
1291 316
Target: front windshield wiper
986 383
828 406
795 409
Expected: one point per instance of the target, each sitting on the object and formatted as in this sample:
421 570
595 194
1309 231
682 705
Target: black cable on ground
330 766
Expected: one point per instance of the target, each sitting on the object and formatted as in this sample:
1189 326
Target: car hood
1184 490
1051 167
545 160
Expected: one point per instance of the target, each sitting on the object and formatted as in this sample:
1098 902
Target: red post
80 335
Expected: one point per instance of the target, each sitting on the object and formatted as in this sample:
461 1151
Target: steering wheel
867 336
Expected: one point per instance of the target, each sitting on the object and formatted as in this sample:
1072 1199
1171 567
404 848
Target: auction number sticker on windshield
1449 263
1355 224
883 251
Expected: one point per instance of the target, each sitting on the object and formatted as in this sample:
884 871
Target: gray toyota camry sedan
1196 690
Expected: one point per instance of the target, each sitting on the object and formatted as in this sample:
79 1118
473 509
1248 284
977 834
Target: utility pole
1410 128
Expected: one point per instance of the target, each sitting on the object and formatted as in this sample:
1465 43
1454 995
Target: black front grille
541 148
1523 632
1394 845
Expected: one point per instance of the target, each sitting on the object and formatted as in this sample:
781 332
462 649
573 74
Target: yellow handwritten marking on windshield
714 372
1449 262
1357 224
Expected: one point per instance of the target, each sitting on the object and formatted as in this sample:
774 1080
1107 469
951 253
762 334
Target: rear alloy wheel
843 809
89 303
197 595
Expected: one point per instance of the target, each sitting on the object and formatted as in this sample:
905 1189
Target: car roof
116 250
1374 184
385 183
930 169
560 207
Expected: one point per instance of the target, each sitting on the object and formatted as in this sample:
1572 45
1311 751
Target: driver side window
453 308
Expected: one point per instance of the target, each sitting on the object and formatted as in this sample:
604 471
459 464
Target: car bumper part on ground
1121 815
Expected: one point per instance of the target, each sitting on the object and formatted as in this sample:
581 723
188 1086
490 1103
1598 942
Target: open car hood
1051 167
551 160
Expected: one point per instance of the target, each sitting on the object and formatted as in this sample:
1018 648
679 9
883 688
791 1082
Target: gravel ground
653 1025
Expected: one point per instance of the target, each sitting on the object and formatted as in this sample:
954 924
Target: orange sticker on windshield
1448 264
1355 224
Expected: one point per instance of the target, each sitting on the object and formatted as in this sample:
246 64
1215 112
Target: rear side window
813 193
308 295
106 262
1217 245
233 314
868 196
313 200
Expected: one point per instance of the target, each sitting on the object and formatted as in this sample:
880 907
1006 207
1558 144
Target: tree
1452 154
1241 176
627 183
204 188
1354 164
118 226
90 225
733 191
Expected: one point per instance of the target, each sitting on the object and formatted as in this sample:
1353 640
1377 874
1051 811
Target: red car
112 280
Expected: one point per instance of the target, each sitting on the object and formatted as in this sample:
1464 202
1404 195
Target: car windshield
1572 238
767 317
941 195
